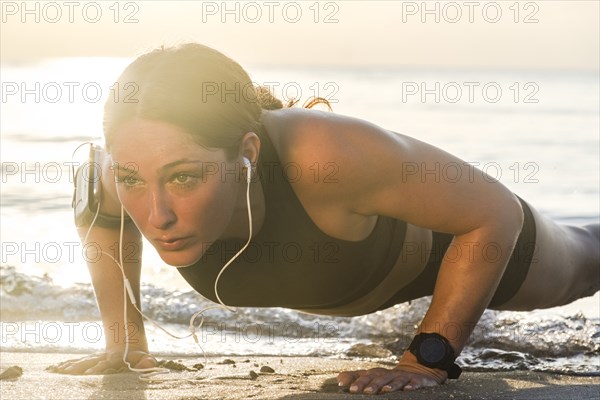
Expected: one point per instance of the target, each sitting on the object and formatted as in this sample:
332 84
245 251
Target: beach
545 150
229 378
510 88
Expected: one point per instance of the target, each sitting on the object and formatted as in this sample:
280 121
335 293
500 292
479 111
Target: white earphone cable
148 373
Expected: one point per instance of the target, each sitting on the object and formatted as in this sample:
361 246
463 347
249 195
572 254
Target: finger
146 361
61 366
360 384
81 366
347 377
397 384
67 363
377 383
103 366
418 383
135 359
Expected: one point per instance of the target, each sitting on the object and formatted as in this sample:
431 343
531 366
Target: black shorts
513 277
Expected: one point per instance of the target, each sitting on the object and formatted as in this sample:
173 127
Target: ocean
535 131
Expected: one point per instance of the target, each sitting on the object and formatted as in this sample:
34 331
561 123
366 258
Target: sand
293 378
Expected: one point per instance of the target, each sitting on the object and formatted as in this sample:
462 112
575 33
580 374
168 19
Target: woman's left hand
408 375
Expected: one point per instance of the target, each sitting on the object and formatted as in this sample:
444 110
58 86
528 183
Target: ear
250 147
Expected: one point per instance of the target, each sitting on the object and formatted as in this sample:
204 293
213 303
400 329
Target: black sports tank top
290 262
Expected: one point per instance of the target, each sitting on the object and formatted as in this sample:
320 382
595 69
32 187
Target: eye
128 181
184 179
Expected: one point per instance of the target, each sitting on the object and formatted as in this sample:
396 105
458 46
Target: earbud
248 166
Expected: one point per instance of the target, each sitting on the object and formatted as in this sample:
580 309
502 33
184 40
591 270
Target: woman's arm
464 287
384 173
107 279
428 187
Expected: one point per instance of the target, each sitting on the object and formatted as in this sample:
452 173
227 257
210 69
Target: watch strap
447 365
453 371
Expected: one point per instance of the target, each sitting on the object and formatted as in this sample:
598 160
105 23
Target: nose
161 214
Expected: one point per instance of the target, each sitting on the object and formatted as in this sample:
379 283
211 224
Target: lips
172 244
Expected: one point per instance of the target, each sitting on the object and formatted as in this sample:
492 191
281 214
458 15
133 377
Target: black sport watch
434 351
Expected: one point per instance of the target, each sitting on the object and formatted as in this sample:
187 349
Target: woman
374 226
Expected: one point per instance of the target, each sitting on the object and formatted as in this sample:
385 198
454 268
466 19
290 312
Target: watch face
432 350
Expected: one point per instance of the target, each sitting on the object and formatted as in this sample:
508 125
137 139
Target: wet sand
231 378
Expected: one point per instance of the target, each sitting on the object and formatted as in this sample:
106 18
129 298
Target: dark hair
197 88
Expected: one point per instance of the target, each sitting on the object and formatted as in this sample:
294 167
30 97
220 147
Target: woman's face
180 195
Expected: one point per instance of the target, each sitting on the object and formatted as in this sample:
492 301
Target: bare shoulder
303 132
379 172
335 154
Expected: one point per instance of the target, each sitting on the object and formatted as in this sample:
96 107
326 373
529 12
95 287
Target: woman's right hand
105 363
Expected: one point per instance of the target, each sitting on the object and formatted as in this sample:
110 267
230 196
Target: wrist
434 351
408 362
120 347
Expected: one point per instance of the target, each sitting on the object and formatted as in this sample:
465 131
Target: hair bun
266 99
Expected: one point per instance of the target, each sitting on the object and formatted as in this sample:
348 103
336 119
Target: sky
547 34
